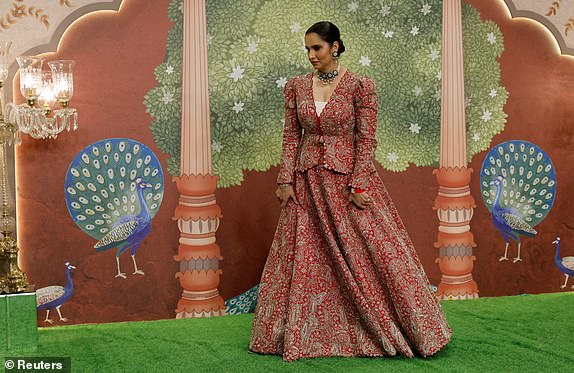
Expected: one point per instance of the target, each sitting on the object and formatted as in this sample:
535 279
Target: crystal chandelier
42 89
37 118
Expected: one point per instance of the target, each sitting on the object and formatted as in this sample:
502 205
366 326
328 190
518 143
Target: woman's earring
335 54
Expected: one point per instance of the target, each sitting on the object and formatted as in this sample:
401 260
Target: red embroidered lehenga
340 281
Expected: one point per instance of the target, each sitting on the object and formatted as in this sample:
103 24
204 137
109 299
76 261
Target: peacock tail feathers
568 262
48 294
528 179
100 184
119 233
243 303
518 224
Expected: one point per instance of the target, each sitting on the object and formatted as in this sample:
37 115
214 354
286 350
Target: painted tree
255 46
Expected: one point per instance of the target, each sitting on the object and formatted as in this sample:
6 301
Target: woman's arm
291 136
366 108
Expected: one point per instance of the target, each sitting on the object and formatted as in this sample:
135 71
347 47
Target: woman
342 277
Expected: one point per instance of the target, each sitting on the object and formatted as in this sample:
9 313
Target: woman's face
320 52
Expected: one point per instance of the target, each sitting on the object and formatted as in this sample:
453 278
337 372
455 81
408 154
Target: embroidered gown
340 281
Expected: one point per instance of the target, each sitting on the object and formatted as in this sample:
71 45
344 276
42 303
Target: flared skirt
341 281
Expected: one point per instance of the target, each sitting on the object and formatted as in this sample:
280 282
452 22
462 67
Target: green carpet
18 320
530 333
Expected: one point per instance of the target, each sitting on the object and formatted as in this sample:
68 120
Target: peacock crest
518 185
114 188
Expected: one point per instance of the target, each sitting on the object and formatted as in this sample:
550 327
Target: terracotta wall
539 110
116 54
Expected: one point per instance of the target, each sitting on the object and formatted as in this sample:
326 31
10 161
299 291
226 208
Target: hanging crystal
43 122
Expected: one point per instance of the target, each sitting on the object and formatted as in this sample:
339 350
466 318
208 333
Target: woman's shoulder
360 79
298 80
360 82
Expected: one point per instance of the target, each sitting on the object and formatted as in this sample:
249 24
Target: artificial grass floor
530 333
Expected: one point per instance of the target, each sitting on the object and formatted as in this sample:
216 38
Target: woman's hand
284 193
361 200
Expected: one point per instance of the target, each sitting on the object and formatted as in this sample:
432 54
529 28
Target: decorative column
197 214
454 204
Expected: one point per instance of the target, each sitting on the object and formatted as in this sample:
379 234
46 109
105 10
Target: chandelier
42 89
37 118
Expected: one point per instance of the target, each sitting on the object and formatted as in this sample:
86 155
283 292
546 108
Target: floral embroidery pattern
329 138
340 281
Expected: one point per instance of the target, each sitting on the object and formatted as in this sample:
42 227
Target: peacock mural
565 265
243 303
518 186
114 188
55 296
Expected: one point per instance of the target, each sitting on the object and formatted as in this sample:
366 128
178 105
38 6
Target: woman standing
342 277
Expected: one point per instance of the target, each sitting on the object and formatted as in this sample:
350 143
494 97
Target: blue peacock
114 188
565 265
54 296
518 185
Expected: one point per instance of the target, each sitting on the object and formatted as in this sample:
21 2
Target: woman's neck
332 67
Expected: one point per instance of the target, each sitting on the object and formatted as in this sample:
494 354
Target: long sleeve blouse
341 139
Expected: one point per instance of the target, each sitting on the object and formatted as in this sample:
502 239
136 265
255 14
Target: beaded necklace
328 78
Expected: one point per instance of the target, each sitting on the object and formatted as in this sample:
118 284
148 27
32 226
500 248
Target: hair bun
341 46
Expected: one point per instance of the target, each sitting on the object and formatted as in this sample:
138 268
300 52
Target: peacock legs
47 319
60 313
517 259
136 270
120 273
505 257
565 282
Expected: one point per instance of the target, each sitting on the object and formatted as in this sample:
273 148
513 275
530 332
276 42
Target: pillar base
188 308
467 290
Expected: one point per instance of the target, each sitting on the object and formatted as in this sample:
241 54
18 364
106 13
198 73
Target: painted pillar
197 213
454 204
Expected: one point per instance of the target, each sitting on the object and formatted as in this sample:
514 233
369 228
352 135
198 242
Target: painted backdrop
126 82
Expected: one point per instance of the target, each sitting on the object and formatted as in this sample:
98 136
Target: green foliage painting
255 46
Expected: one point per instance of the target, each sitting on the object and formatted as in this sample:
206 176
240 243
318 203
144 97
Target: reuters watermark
37 364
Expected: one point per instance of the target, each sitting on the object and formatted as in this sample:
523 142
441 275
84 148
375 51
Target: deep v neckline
330 97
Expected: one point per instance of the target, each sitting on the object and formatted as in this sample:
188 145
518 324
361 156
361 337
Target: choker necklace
328 78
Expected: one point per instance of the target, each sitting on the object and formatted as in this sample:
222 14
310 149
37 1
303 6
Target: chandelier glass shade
42 89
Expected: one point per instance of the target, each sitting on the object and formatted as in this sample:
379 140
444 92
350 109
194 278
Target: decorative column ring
454 206
198 218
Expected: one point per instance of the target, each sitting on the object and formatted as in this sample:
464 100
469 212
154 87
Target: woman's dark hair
328 32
